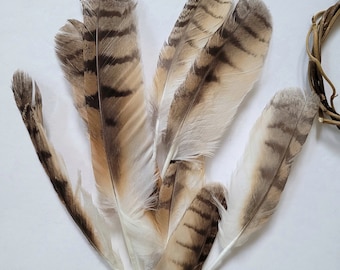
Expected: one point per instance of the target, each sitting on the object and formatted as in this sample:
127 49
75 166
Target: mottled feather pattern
149 148
256 186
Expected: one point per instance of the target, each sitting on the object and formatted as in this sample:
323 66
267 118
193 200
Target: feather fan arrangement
149 147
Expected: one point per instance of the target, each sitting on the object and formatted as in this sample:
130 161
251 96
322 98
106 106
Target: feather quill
256 187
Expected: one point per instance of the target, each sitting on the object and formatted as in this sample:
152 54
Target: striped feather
196 24
223 73
180 184
29 103
256 187
69 49
198 20
99 159
128 145
191 241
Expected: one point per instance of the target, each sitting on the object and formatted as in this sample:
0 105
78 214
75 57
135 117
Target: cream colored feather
256 186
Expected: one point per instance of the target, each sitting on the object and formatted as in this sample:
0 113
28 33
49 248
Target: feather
190 242
128 145
256 186
196 23
90 93
214 86
69 49
31 111
223 73
181 182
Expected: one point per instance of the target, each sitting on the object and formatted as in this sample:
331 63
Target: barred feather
190 242
28 99
196 23
116 65
69 49
215 86
180 184
256 187
223 73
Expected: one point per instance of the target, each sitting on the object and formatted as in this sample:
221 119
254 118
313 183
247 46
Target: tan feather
29 103
181 182
128 145
223 73
195 25
198 20
189 243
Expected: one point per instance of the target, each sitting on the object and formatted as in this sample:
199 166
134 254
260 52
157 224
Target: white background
36 231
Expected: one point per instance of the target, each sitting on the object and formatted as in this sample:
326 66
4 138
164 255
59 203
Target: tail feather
128 145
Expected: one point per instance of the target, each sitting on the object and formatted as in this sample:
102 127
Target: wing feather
256 187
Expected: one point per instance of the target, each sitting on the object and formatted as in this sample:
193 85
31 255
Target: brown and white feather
256 186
